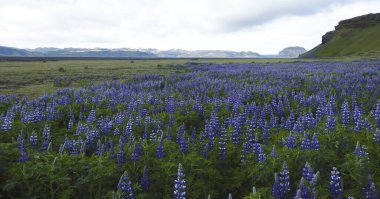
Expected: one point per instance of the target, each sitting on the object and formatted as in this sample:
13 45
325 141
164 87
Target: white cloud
262 26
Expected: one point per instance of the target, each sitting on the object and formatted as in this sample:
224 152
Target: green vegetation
36 77
353 38
221 122
353 42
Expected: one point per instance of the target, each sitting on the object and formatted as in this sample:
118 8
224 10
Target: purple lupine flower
75 145
332 105
125 187
33 140
184 148
274 153
222 144
144 181
79 130
266 134
245 149
330 123
106 126
205 151
24 157
298 126
62 148
160 152
335 186
92 116
46 132
82 147
45 137
139 148
255 148
261 154
193 138
298 194
311 121
273 124
357 150
368 125
179 184
7 124
370 192
376 136
74 150
358 120
121 159
70 125
99 148
276 187
307 172
214 121
111 149
315 179
168 135
304 191
20 139
345 114
171 120
116 132
91 136
376 114
290 142
320 112
284 181
210 135
360 150
134 155
315 143
305 142
180 133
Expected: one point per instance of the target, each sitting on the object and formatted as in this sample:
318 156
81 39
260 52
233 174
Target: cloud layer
261 26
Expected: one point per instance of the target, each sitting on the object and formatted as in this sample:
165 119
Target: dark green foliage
86 175
61 69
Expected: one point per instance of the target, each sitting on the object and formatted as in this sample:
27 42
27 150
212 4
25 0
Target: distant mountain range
358 37
289 52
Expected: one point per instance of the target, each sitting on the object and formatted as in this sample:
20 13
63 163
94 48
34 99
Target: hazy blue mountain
72 52
178 53
125 52
44 49
291 52
79 52
9 51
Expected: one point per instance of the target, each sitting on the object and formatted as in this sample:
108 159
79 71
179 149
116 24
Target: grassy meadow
32 78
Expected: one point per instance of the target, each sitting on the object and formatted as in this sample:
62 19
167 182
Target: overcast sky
261 26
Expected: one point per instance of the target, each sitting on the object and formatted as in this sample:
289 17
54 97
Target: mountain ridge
123 52
289 52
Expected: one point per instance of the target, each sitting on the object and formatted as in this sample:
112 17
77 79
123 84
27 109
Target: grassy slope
357 42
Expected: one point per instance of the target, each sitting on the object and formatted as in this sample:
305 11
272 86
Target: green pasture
32 78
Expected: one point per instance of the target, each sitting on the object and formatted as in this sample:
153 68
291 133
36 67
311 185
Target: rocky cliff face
359 22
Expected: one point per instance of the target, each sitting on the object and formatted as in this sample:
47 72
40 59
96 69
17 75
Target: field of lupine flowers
286 130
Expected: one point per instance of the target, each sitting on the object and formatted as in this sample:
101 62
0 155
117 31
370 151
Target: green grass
35 77
355 43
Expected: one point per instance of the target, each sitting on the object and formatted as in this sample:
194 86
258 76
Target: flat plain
32 78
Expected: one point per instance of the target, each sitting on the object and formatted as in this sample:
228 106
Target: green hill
356 37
